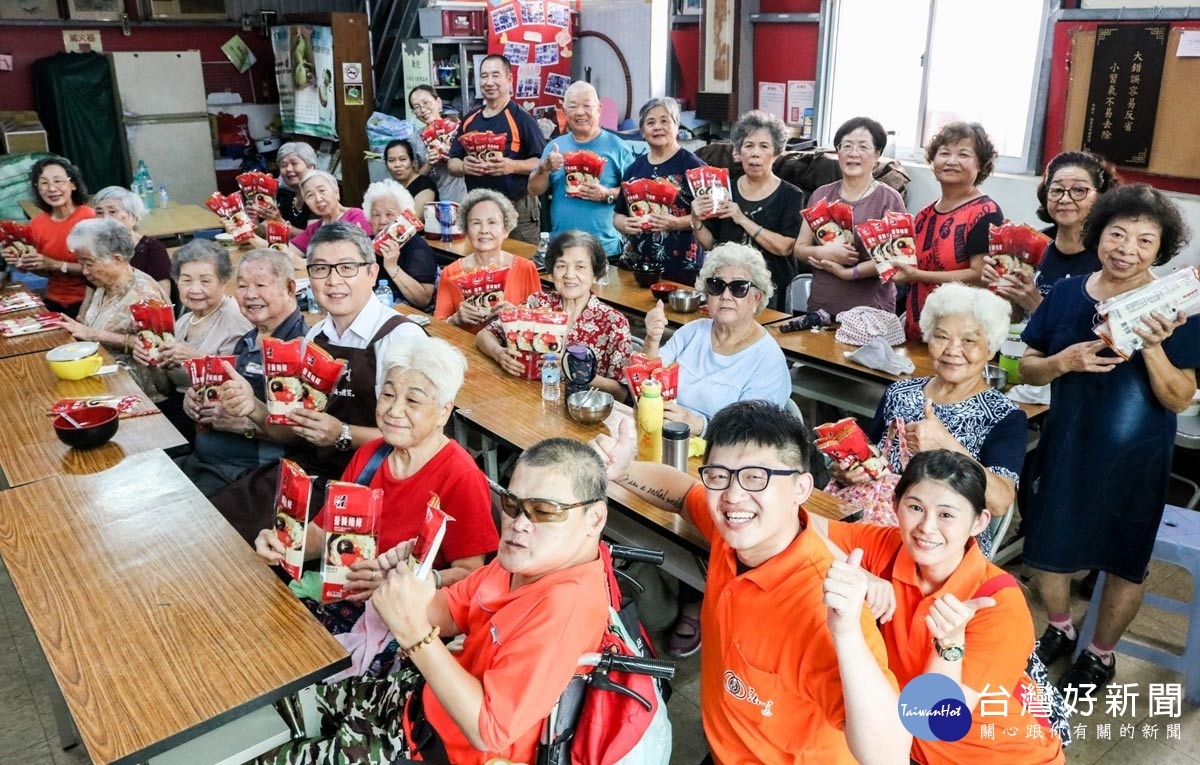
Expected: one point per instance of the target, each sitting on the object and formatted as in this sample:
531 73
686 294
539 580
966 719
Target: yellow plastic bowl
75 361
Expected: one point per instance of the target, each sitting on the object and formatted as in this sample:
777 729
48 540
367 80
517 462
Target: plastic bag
383 128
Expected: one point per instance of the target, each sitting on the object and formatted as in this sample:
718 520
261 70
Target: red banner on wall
535 37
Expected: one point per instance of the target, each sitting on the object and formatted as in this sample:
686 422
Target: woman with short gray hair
294 160
323 196
654 234
149 255
764 210
104 249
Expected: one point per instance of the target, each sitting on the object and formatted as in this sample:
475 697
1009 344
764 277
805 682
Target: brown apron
248 503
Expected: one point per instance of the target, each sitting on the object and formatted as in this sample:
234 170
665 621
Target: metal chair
796 300
1187 436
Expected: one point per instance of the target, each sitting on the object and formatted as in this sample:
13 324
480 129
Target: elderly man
813 684
357 328
589 205
506 172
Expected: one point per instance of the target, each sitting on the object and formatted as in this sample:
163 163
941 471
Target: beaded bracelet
416 647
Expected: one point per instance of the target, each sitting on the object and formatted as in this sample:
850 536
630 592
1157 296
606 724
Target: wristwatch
948 652
63 267
249 430
608 200
342 444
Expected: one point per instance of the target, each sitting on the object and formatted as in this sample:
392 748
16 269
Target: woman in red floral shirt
951 233
575 260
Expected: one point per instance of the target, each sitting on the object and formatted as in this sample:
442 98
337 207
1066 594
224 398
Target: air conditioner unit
186 9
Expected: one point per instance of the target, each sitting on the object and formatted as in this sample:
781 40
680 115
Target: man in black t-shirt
507 173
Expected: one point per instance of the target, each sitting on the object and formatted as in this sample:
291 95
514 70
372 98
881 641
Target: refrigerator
164 117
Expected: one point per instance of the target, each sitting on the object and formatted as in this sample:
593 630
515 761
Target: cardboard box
22 132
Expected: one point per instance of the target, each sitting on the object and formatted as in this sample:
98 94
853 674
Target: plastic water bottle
164 199
147 187
551 378
539 257
383 293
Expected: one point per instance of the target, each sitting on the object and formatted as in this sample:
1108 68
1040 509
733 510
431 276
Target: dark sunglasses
739 288
535 509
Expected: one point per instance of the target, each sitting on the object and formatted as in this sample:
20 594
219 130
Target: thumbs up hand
553 160
929 433
948 617
237 397
845 591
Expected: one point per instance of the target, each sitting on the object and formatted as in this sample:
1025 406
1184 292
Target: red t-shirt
49 237
455 478
523 645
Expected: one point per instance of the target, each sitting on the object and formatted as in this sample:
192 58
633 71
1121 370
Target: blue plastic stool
1178 543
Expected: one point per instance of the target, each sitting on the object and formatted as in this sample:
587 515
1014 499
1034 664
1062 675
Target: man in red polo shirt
792 669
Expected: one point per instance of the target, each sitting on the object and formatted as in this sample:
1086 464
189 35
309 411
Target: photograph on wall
504 18
532 12
516 53
304 77
534 36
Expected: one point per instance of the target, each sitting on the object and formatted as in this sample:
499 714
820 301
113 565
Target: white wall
1017 197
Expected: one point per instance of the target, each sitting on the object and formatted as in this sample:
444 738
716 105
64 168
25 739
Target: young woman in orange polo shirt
942 620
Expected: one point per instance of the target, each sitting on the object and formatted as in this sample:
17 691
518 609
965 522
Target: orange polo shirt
998 643
770 689
523 645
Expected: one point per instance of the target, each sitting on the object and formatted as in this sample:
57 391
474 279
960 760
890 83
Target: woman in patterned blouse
574 260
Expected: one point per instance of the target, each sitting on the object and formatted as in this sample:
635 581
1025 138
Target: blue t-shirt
709 382
525 140
596 218
676 251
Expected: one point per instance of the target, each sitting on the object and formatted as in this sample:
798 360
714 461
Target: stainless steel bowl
685 301
996 376
590 407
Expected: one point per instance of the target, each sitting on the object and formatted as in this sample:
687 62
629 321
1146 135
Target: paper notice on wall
770 97
82 41
800 95
1189 44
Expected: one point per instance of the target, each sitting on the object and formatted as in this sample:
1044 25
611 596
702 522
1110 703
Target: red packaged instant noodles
642 368
126 406
1015 248
843 215
319 375
258 189
405 228
291 515
900 228
297 378
876 237
711 182
534 333
824 228
20 301
429 538
30 325
437 136
649 196
351 512
581 167
231 210
483 287
154 324
846 444
279 233
484 145
14 237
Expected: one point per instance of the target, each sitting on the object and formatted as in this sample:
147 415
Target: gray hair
739 256
957 299
669 104
384 189
578 461
440 362
102 238
303 152
279 264
313 174
339 231
131 203
759 120
576 238
577 86
507 211
202 251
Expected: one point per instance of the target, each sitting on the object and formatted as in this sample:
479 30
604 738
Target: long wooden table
157 620
35 343
30 451
161 222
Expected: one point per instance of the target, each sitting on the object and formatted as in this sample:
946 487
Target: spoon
72 420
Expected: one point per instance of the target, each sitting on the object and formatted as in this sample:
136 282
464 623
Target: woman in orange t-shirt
955 613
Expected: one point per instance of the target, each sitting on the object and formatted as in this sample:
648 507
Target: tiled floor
28 735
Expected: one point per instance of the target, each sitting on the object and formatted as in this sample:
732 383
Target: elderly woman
665 238
228 447
295 160
1070 186
948 610
574 260
103 249
210 326
764 211
844 275
404 168
426 106
322 195
1103 464
59 191
487 217
956 409
424 375
952 232
149 255
410 269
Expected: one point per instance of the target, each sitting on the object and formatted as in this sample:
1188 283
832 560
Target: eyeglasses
750 478
347 269
1077 193
535 509
46 183
855 148
739 288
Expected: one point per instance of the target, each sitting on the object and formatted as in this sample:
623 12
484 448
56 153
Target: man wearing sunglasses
792 668
357 328
528 615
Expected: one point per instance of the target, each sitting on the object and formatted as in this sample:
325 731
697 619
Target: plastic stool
1178 543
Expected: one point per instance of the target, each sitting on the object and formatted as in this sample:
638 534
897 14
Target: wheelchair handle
637 665
637 554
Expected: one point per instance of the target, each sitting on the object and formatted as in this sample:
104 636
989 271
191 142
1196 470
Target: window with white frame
916 65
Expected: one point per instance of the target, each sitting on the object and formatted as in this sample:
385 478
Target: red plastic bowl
663 290
98 424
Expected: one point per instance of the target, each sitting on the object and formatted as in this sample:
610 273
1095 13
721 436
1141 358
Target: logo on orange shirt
739 690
